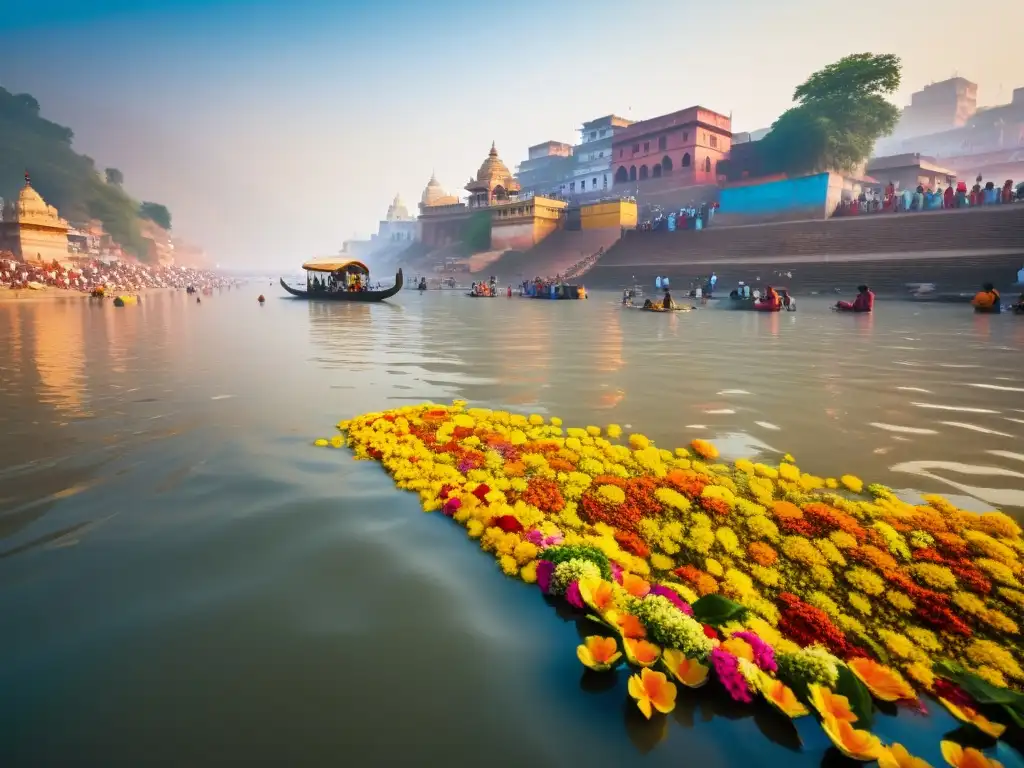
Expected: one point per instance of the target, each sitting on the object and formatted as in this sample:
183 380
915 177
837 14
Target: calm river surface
185 581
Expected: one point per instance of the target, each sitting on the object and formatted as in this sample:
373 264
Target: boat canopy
335 265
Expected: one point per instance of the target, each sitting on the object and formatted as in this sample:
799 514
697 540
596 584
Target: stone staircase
553 255
953 249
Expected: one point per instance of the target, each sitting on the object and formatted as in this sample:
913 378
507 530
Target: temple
443 217
32 230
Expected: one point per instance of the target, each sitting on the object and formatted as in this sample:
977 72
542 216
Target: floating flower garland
817 594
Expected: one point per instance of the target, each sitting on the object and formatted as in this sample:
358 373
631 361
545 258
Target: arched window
643 172
621 175
707 165
666 164
686 160
656 171
632 173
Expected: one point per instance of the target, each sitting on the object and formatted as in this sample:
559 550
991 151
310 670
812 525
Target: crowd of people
688 217
129 277
924 198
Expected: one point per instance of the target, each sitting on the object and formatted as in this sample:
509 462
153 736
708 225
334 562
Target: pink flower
727 667
616 572
572 594
554 540
764 654
545 568
536 538
673 597
451 506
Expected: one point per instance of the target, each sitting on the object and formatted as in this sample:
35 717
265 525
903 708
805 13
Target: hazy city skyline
275 131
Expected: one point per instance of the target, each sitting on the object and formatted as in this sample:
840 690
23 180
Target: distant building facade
545 169
592 166
32 230
442 216
938 107
686 145
908 171
398 225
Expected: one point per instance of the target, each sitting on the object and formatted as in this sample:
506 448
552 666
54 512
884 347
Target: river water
185 581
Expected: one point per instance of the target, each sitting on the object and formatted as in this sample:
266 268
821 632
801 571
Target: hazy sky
276 129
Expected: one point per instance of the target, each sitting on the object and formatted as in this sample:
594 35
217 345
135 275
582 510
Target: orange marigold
786 509
762 554
514 469
718 506
544 495
560 465
704 583
873 556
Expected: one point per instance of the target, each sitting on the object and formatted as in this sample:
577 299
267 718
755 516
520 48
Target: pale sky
274 130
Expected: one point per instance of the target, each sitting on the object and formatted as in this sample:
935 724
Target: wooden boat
481 295
659 308
340 270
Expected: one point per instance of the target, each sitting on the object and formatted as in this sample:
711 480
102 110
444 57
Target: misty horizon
274 132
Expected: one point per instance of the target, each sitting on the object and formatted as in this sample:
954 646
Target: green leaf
1015 716
856 692
717 610
977 688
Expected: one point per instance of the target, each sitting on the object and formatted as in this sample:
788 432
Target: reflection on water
168 537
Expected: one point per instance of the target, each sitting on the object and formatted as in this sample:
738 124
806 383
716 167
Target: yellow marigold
611 494
842 539
934 576
865 580
740 582
475 529
921 673
728 540
594 431
991 676
638 442
811 482
713 567
831 482
719 492
662 562
852 483
524 552
986 652
614 431
762 528
1012 596
859 602
789 472
704 449
997 524
745 466
849 624
769 473
672 499
700 520
831 552
508 565
822 576
998 571
900 645
802 551
700 540
925 638
986 545
893 540
767 576
899 601
824 602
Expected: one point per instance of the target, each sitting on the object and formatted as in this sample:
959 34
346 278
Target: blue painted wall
776 197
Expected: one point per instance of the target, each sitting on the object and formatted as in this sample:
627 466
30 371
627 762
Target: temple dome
432 193
397 210
493 168
32 208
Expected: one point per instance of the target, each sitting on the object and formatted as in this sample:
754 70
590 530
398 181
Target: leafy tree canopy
114 176
841 112
65 179
156 213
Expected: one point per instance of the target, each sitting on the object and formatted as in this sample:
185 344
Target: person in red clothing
865 301
949 197
770 300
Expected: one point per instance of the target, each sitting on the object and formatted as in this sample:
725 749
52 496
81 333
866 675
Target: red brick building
685 145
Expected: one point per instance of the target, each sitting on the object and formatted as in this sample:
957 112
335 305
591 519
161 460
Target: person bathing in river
865 301
987 299
788 302
667 302
770 298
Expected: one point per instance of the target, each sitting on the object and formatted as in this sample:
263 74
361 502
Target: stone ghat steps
553 255
998 227
887 274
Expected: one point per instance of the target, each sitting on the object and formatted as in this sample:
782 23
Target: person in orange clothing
987 299
771 297
865 301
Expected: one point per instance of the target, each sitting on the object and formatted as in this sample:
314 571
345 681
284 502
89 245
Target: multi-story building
545 169
686 145
592 167
938 107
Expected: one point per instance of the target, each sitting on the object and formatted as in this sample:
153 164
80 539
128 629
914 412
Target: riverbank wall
952 250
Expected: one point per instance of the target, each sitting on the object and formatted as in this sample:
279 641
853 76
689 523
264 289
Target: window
606 181
707 165
662 143
686 160
621 153
583 185
647 146
686 136
593 182
604 133
713 140
593 134
636 148
572 186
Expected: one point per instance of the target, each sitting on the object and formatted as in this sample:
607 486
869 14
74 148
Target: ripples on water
181 576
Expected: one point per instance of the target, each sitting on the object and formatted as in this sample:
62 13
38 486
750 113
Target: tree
114 176
156 213
841 112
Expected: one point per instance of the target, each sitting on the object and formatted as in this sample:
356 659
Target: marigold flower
652 691
969 757
704 449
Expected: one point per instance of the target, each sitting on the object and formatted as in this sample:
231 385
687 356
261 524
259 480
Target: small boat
125 301
659 308
339 274
481 295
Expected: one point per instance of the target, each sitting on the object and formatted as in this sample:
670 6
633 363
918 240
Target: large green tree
67 180
156 213
841 111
